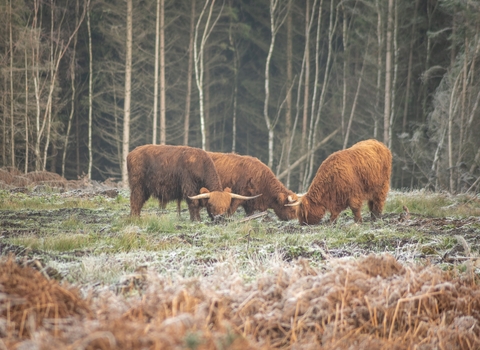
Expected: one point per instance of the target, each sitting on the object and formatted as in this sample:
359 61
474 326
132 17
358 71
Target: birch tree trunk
188 99
235 88
273 32
388 75
128 91
379 68
199 60
155 77
464 98
27 144
345 67
288 110
395 73
451 113
354 105
56 55
409 68
48 110
306 93
313 131
163 108
12 125
306 53
72 77
90 96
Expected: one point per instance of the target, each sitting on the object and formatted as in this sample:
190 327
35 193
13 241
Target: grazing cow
346 179
247 176
174 173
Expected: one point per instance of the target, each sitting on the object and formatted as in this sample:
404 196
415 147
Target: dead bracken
370 303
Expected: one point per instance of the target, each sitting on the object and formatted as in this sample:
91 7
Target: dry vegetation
409 281
370 303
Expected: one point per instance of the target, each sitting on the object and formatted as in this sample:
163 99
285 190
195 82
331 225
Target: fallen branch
254 216
302 158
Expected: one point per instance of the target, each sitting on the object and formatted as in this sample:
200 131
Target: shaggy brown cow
247 176
174 173
345 179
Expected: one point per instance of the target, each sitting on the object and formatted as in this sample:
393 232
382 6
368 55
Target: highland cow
346 179
247 176
171 173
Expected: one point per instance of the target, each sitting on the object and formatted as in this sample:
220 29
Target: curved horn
290 199
200 196
297 203
237 196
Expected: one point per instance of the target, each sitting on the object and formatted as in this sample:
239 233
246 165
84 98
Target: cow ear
227 189
204 190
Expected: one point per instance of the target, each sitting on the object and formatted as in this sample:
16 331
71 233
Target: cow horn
290 199
237 196
297 203
200 196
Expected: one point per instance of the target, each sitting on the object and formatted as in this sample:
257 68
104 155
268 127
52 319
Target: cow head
307 214
218 202
283 210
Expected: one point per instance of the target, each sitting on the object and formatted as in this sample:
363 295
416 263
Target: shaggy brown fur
174 173
346 179
248 176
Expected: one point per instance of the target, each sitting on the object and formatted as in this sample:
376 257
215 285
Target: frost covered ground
264 283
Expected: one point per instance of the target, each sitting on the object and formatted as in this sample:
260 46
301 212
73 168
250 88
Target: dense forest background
84 82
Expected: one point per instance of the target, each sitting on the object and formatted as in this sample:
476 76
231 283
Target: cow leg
356 207
378 201
334 216
138 197
179 207
194 209
357 214
376 208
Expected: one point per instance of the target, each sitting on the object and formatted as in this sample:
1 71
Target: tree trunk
352 112
317 75
308 23
72 77
331 30
188 99
273 31
409 68
345 67
288 110
395 73
199 62
90 96
163 108
27 145
53 78
155 75
464 108
451 113
206 87
235 87
388 75
379 69
308 27
12 125
128 92
4 121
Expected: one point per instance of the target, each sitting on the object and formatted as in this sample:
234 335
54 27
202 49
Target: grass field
88 240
